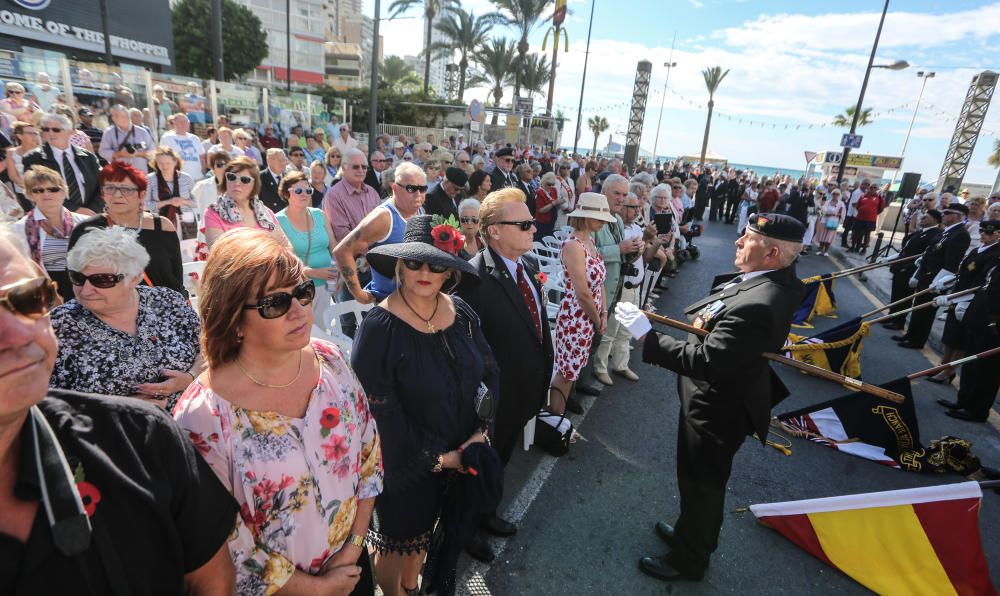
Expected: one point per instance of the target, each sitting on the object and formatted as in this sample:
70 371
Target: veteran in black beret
444 199
726 387
503 174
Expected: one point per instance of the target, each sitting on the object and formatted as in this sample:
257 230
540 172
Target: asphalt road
585 519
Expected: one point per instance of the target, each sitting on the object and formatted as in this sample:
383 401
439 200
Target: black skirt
955 335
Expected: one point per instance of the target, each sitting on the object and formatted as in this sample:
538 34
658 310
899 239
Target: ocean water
768 171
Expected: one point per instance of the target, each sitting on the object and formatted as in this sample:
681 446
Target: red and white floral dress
574 331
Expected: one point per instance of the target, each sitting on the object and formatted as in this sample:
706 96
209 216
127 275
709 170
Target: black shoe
479 549
951 404
498 526
574 406
941 381
588 390
909 345
665 531
964 415
890 326
898 338
659 568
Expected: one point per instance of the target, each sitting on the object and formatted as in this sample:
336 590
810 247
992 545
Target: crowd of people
289 459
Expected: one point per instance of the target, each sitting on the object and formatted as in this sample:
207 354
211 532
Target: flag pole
989 484
940 367
863 268
922 306
896 303
809 369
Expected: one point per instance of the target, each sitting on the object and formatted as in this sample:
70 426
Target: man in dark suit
442 200
270 177
938 269
78 167
726 387
717 198
734 190
915 244
511 307
503 175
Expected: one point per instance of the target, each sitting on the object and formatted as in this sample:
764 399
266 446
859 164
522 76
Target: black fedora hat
424 241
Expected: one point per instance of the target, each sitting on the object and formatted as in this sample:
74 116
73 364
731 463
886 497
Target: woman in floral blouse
284 424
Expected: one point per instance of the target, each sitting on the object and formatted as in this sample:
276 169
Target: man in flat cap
726 387
503 174
443 200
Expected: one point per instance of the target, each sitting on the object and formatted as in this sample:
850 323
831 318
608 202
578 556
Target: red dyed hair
117 171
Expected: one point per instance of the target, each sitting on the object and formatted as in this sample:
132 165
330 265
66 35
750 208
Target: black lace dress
422 390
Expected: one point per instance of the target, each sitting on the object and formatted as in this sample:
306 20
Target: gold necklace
268 385
427 321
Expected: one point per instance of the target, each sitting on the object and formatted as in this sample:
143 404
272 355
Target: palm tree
535 74
597 124
431 9
713 78
465 32
994 158
844 120
396 75
522 15
496 59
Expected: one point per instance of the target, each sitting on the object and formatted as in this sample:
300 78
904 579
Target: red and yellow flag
913 541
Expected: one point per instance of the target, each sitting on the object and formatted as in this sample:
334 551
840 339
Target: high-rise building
310 26
439 65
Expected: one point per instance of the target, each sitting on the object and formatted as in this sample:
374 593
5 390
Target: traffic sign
524 104
475 110
852 141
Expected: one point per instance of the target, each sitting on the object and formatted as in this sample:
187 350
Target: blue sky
791 64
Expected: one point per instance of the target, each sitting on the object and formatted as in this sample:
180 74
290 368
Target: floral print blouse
297 480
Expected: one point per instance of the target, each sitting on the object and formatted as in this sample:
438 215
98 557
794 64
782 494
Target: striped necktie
75 196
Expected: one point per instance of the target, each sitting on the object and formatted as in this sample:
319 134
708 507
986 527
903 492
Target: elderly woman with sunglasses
422 359
123 188
119 337
468 218
284 424
238 205
47 226
333 163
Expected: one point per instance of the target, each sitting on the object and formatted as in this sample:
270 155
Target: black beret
778 226
456 176
504 152
991 226
935 214
957 207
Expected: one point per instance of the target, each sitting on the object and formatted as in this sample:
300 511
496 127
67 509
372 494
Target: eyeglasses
16 92
630 206
507 159
472 220
231 177
49 189
359 166
32 298
220 164
524 225
333 156
407 159
381 160
98 280
412 188
301 191
413 265
126 191
50 129
278 304
463 161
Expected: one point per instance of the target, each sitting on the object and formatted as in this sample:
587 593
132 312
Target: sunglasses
463 161
301 191
474 220
98 280
231 177
220 164
413 265
358 166
126 191
49 189
411 188
49 129
278 304
32 298
524 225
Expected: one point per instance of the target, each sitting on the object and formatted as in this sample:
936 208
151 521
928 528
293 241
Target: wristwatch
358 541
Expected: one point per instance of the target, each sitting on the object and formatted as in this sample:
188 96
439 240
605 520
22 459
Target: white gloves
883 260
629 315
941 301
913 281
943 280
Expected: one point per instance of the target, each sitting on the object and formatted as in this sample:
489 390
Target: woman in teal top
311 236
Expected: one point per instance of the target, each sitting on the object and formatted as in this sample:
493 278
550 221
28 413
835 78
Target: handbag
553 432
831 223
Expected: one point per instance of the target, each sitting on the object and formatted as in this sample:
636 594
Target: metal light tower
638 113
902 152
970 122
668 65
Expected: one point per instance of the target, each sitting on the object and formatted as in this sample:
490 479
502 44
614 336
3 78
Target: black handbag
553 433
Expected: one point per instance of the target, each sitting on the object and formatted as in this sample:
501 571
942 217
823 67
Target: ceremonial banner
819 300
913 541
837 349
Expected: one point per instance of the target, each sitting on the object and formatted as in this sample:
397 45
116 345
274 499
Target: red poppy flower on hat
90 497
330 418
448 238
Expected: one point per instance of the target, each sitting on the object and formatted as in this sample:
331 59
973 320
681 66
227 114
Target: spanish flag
913 541
819 300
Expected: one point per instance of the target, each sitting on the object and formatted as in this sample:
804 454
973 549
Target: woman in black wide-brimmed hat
422 359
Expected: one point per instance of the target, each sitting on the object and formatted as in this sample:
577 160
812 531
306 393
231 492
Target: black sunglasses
32 298
524 225
358 166
301 191
278 304
49 189
98 280
221 164
414 265
48 129
468 219
231 177
415 187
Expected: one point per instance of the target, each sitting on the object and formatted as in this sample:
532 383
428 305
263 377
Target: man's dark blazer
915 244
726 367
947 253
372 179
525 361
437 202
88 165
499 179
269 192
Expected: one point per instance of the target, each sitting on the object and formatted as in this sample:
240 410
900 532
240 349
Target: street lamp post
373 89
902 153
583 83
668 65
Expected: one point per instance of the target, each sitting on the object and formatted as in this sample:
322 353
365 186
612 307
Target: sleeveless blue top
381 286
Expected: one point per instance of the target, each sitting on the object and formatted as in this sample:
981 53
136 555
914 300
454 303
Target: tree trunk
463 65
593 151
708 126
497 94
522 51
552 75
427 58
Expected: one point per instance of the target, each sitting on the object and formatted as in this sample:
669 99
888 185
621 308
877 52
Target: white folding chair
192 272
562 233
552 242
545 250
352 307
338 339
